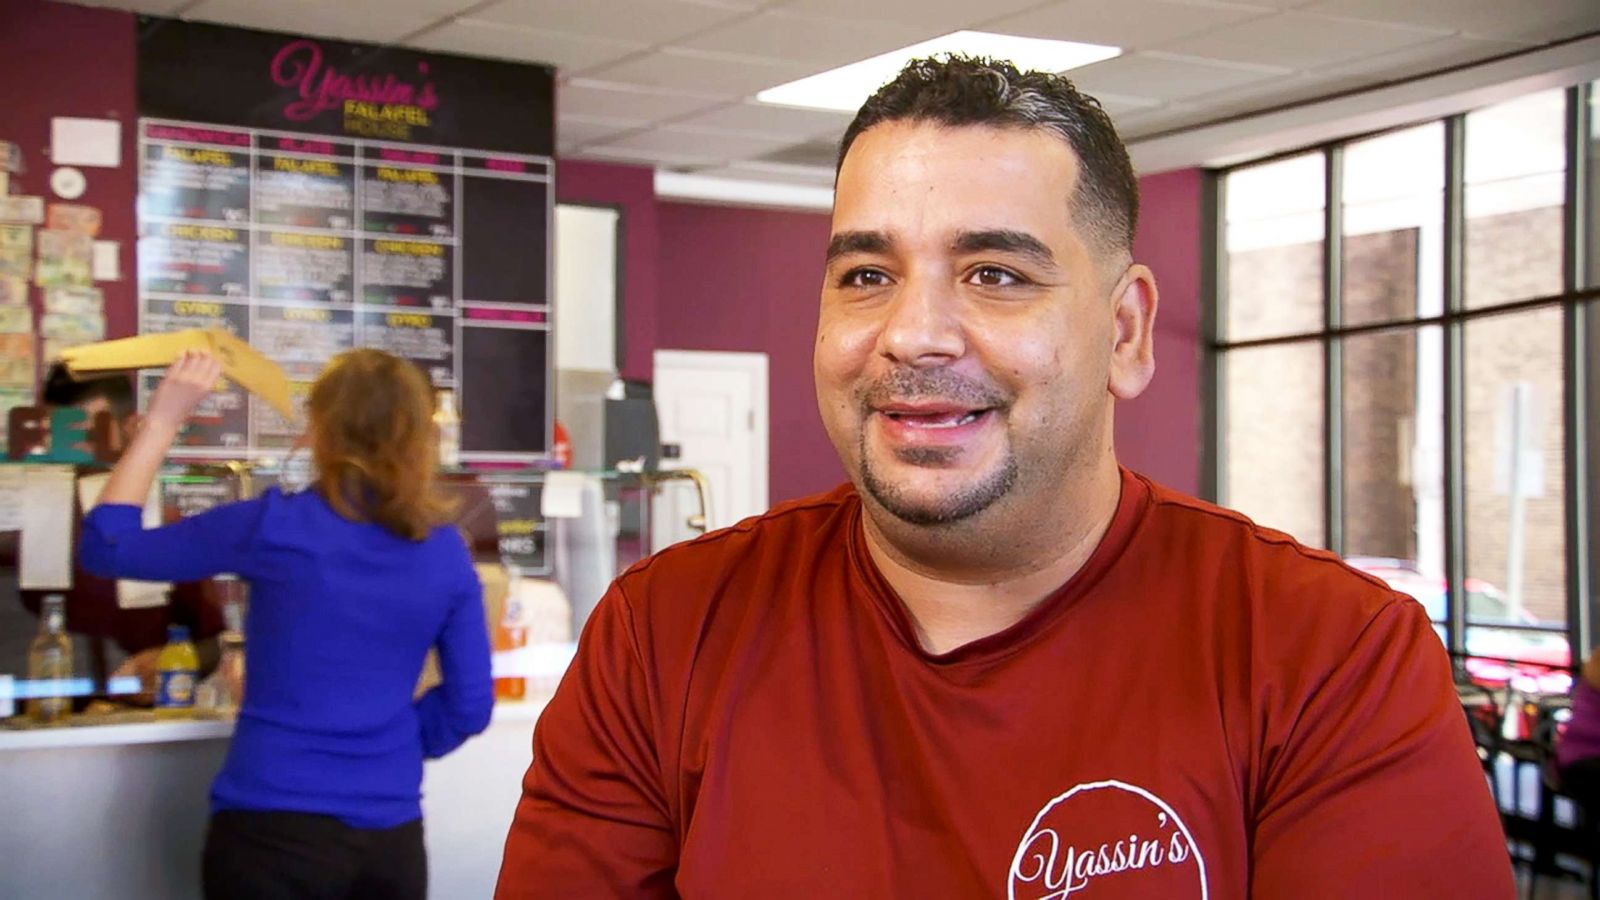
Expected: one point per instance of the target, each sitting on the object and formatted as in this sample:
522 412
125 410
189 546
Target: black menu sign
311 196
523 533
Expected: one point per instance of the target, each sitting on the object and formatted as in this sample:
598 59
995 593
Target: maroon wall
1159 433
61 60
749 279
631 189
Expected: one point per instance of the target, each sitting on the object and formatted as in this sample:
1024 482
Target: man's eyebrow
857 242
1004 241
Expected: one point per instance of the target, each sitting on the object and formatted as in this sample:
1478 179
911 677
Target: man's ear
1133 355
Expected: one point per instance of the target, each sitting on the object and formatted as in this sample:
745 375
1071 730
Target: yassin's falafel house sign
311 196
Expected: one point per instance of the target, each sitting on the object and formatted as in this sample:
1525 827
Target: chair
1578 785
1483 720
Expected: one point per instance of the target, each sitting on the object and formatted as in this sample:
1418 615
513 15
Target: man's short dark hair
61 389
964 90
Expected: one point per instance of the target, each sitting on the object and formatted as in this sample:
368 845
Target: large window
1405 363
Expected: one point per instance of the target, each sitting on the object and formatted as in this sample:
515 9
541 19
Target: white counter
119 811
114 735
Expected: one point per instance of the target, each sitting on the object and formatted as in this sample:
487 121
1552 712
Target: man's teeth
947 421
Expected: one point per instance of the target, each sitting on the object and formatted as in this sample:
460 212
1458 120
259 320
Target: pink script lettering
321 87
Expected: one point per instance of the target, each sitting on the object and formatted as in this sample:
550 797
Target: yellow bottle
448 421
177 673
50 664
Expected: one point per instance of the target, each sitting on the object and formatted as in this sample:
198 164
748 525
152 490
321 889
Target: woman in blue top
352 582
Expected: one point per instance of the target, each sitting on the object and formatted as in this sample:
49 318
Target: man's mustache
908 384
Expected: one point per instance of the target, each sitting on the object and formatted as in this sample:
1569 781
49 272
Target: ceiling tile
942 16
1300 41
598 99
1165 77
564 51
1119 105
764 118
432 9
673 141
1168 118
1422 59
651 158
1275 4
1147 121
1529 20
147 7
357 20
816 154
640 21
576 131
813 40
1260 95
694 70
770 173
1130 24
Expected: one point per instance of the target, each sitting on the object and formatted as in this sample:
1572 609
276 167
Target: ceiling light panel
847 87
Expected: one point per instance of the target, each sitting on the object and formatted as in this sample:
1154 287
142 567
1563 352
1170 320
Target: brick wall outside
1274 397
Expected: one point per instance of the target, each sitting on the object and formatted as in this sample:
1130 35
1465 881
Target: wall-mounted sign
315 195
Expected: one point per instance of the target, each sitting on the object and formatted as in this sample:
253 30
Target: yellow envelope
241 363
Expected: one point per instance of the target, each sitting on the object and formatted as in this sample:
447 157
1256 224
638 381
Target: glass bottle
50 664
448 420
510 634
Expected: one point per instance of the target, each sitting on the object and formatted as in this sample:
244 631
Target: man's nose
923 327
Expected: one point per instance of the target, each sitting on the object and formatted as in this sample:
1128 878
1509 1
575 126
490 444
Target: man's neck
989 578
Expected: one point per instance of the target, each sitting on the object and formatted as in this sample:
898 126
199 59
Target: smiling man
997 664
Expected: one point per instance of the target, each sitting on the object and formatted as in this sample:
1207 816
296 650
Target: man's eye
864 278
994 276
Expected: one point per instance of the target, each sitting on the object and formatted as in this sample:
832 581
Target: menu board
208 181
314 196
191 258
407 273
523 532
183 496
427 339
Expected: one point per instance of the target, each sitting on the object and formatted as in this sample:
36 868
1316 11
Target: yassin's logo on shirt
1111 835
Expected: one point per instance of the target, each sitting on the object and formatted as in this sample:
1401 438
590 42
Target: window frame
1579 301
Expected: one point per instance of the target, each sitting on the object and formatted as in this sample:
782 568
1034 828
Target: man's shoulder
785 535
1261 559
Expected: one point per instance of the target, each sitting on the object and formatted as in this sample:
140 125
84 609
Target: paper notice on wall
11 498
16 251
22 210
562 497
73 217
45 557
73 314
13 291
17 365
52 350
86 142
72 331
75 301
16 319
66 259
10 157
130 594
107 261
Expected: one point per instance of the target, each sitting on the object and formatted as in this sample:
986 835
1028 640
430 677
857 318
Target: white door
713 410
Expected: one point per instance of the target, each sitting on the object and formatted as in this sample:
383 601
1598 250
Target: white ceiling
669 83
